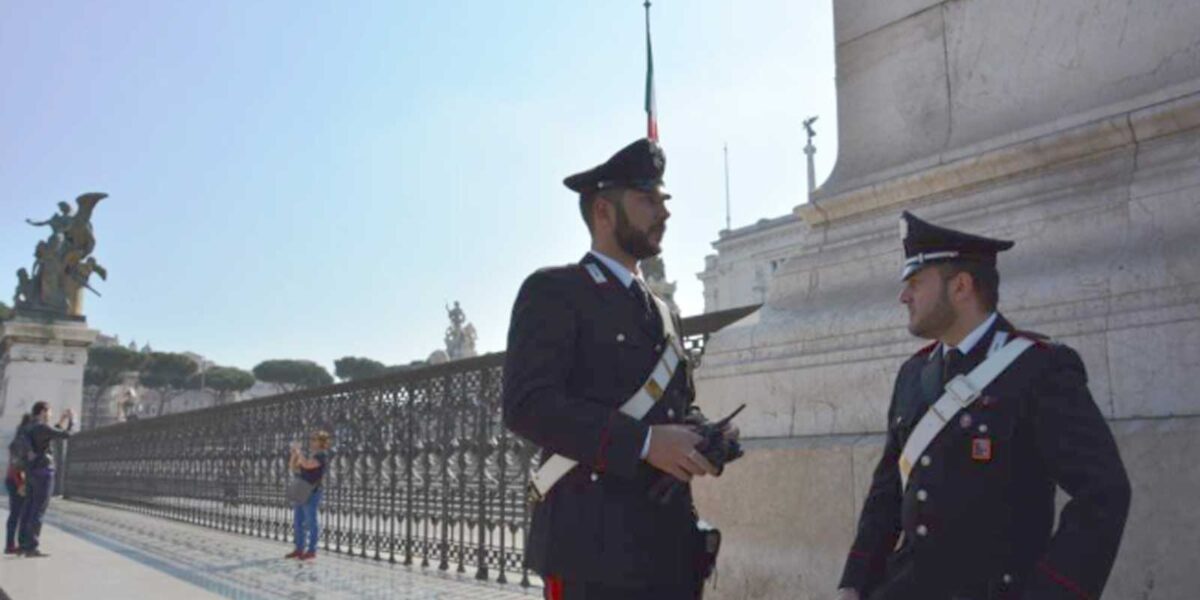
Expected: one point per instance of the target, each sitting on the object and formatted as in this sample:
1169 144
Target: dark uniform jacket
577 350
40 437
976 518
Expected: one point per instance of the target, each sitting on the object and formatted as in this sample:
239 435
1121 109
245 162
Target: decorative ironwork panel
422 470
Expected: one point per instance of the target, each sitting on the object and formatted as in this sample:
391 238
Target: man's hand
848 594
673 451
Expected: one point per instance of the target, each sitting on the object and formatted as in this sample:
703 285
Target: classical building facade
747 258
1071 127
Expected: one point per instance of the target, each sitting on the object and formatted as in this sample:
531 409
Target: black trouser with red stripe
557 589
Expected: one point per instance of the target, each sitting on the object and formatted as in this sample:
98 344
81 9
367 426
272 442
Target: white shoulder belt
557 466
960 392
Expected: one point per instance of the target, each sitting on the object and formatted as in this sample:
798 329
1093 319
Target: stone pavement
98 552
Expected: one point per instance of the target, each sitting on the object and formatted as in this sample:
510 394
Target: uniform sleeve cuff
1063 582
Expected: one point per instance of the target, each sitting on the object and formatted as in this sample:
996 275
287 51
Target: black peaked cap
926 243
639 165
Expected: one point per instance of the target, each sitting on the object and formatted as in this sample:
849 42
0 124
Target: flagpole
651 110
728 226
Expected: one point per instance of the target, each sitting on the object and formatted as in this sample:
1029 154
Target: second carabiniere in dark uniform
984 425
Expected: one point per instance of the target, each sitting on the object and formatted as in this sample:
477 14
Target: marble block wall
41 362
1071 127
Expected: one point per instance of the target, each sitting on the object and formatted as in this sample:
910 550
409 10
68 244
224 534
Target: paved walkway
98 552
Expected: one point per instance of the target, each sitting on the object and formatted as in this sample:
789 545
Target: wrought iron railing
422 472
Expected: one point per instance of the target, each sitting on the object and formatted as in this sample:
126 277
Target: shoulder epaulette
571 274
1040 340
594 273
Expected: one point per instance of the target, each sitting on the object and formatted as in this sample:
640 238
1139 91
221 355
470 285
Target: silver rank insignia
596 273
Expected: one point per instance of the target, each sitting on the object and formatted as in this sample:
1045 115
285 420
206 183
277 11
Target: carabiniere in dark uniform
580 344
975 520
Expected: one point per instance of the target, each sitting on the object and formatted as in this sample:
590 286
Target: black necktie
643 296
952 363
649 308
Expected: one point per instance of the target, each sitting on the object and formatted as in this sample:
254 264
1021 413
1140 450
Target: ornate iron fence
422 469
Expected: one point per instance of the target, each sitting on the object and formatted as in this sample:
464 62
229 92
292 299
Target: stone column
41 360
1071 127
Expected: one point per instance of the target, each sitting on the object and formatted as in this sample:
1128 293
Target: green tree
288 375
225 381
354 368
5 311
168 373
105 365
393 369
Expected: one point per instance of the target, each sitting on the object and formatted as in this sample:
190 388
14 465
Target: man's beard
634 242
935 322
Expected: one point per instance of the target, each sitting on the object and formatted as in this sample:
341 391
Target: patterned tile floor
228 565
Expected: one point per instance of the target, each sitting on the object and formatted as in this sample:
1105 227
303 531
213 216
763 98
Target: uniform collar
968 343
624 275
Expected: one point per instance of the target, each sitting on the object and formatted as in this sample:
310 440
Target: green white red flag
651 112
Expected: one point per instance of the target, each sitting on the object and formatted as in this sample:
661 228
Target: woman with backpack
310 469
14 483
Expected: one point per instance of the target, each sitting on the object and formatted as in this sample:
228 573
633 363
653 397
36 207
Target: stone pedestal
41 360
1071 127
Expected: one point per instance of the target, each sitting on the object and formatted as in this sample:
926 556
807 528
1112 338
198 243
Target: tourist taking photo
305 493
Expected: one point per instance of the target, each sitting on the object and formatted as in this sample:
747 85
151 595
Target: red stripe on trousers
554 588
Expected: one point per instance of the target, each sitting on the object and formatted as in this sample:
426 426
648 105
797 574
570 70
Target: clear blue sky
316 179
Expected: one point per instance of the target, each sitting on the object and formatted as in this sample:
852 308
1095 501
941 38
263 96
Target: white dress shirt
968 343
625 275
